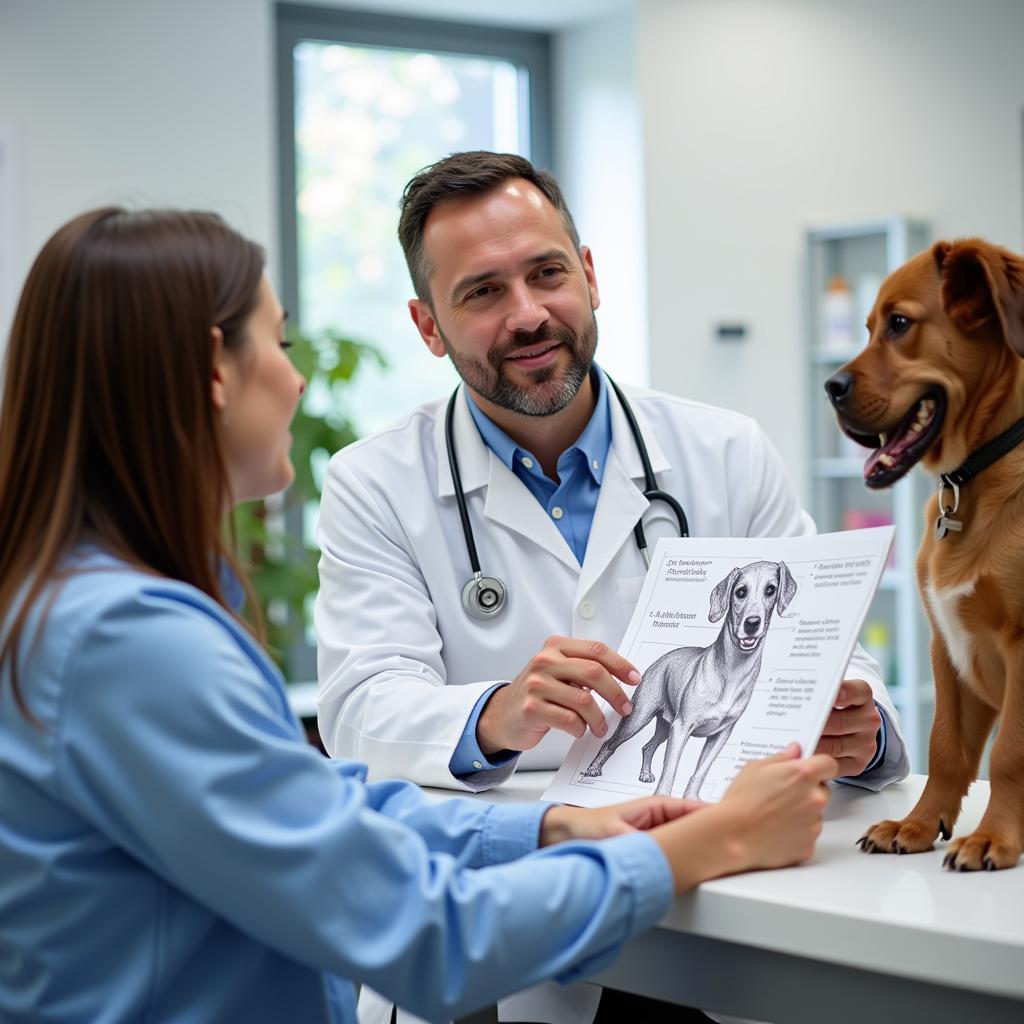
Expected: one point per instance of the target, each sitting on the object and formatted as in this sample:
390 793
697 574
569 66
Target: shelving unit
863 254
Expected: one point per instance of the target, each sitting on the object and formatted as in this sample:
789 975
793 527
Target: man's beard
546 394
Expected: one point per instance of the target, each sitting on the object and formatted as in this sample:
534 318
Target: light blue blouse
172 849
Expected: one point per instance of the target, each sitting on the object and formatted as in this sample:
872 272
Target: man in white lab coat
410 682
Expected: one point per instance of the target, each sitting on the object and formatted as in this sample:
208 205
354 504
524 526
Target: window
365 102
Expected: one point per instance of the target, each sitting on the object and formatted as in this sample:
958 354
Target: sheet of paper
742 644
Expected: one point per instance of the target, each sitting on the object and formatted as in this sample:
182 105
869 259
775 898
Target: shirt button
557 512
586 610
527 462
477 765
596 464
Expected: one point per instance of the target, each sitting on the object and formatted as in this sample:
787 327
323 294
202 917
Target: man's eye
899 324
740 592
479 293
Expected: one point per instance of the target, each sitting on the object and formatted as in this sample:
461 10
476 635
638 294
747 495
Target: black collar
985 456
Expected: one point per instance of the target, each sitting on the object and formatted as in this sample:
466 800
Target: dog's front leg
708 753
997 841
678 733
961 726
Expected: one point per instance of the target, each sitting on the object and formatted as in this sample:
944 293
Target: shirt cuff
511 831
468 758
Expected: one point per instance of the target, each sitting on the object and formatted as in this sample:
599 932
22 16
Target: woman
170 848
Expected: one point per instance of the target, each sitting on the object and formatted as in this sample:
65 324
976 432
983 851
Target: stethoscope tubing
475 589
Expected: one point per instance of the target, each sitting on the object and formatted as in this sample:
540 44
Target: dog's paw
984 850
591 773
646 776
909 835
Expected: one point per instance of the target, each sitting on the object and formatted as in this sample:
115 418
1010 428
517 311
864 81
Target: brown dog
941 376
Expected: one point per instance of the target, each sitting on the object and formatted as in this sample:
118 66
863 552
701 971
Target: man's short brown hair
465 174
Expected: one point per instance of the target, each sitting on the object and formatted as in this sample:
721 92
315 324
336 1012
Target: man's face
512 303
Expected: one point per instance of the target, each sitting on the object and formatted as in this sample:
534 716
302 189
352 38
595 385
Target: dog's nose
838 387
752 624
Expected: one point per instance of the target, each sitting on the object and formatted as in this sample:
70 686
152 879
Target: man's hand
851 731
554 692
563 823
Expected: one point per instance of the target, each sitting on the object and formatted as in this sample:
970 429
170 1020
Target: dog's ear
787 588
720 596
982 284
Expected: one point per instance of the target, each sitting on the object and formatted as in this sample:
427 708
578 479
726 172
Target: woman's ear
218 373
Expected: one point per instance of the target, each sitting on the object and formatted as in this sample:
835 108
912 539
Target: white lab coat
401 664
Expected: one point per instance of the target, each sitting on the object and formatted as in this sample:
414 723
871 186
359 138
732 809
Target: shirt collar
593 443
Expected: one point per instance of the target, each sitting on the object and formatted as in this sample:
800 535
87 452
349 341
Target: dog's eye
769 590
740 592
899 324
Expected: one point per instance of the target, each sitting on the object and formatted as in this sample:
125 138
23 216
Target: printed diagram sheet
742 645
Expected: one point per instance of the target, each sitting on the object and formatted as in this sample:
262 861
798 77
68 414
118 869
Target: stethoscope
484 597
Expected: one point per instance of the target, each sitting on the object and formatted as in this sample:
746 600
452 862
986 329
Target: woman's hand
770 817
563 823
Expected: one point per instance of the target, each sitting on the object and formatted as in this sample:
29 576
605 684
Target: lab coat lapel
621 502
511 505
620 505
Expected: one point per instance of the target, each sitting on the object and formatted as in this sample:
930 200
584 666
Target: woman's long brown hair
107 428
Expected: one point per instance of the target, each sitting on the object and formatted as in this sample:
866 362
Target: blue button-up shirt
172 849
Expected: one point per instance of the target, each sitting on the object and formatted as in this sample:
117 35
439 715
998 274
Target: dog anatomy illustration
702 691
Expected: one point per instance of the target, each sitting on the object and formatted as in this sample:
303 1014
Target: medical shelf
862 254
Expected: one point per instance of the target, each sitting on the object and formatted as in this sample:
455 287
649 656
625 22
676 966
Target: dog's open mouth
748 643
896 452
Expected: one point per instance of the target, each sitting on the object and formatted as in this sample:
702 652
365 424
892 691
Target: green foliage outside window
283 562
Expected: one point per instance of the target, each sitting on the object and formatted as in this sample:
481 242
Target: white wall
763 118
598 153
143 102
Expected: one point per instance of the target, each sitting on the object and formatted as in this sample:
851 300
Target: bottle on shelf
837 315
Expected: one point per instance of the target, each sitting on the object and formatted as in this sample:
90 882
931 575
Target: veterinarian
414 681
171 848
431 672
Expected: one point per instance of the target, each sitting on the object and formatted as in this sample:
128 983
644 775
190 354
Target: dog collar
981 459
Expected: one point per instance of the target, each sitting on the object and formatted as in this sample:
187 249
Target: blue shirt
172 849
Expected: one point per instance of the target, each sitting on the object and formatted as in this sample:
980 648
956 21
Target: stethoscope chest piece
483 597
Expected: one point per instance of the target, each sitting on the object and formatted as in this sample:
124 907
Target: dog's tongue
889 454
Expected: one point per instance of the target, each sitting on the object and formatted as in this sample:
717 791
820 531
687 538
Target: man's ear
983 284
423 317
587 259
218 374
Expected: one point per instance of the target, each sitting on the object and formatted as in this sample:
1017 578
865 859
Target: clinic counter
847 937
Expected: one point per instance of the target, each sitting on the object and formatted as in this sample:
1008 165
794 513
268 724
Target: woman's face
260 392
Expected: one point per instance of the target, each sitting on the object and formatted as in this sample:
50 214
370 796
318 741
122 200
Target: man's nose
525 313
751 624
